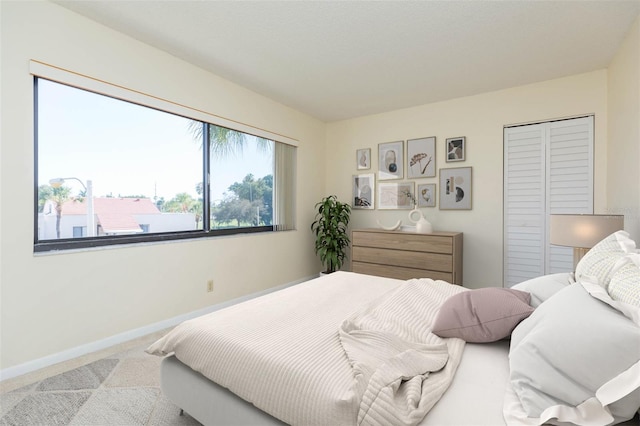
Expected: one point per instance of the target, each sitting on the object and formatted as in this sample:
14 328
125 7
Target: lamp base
578 253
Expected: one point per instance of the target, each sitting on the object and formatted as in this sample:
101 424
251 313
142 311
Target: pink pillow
482 315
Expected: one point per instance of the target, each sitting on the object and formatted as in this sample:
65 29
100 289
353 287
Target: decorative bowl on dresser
405 255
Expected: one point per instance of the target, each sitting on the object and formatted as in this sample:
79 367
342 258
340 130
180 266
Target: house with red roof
112 216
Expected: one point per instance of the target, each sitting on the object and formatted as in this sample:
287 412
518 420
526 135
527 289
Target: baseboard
78 351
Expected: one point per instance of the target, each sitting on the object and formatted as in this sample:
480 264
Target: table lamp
582 231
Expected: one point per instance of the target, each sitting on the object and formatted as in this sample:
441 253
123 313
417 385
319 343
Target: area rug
122 389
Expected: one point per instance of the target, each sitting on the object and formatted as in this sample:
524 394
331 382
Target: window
110 171
241 185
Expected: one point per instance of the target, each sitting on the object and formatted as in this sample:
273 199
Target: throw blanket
401 368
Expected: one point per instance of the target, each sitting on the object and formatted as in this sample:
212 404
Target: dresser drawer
399 272
410 242
407 259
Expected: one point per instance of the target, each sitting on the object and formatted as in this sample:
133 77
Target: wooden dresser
405 255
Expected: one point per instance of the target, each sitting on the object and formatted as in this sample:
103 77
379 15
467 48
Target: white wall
481 119
623 171
50 303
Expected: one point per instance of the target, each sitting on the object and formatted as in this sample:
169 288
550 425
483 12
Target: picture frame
363 191
426 195
391 160
393 195
455 188
363 159
456 149
421 157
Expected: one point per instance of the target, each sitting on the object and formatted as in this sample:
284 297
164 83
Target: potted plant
330 229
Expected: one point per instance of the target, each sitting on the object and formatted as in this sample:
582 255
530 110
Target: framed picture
363 158
421 157
390 160
363 191
456 149
395 195
426 195
455 188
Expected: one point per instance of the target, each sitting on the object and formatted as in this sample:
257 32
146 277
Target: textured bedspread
401 368
284 352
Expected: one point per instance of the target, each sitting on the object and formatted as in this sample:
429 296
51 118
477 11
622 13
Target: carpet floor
122 389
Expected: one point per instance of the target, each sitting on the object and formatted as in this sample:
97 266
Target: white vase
422 225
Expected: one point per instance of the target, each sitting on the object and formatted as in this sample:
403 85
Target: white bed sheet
476 394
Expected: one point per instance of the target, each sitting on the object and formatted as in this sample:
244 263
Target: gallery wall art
391 160
421 158
455 188
363 191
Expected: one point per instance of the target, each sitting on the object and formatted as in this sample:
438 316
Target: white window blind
284 187
548 169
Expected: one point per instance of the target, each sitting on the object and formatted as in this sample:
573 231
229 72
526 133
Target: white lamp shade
583 230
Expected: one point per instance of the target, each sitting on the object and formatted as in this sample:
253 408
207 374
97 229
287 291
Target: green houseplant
330 229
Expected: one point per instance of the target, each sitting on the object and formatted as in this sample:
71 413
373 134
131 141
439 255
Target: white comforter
284 351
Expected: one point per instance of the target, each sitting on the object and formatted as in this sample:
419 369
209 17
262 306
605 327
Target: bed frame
206 401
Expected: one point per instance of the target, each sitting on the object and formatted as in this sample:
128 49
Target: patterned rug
123 389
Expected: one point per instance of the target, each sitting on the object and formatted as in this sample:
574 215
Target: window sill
101 243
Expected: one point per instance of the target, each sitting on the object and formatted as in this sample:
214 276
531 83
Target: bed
356 349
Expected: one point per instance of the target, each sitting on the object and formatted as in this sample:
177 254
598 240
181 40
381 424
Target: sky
126 149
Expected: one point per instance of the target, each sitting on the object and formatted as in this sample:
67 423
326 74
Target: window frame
99 87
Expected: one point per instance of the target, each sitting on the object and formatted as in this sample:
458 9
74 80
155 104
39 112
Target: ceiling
337 60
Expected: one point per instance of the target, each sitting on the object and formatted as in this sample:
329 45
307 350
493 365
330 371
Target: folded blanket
401 369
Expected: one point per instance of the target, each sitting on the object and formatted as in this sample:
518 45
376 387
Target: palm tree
184 203
45 192
58 196
224 142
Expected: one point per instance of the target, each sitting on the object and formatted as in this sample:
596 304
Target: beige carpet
122 389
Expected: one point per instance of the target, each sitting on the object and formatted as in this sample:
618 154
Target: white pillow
542 288
575 359
625 281
599 262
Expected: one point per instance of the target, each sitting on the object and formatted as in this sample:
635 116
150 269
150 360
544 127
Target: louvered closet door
569 179
548 170
524 203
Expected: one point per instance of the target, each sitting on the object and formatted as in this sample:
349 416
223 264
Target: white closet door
569 179
524 203
548 169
